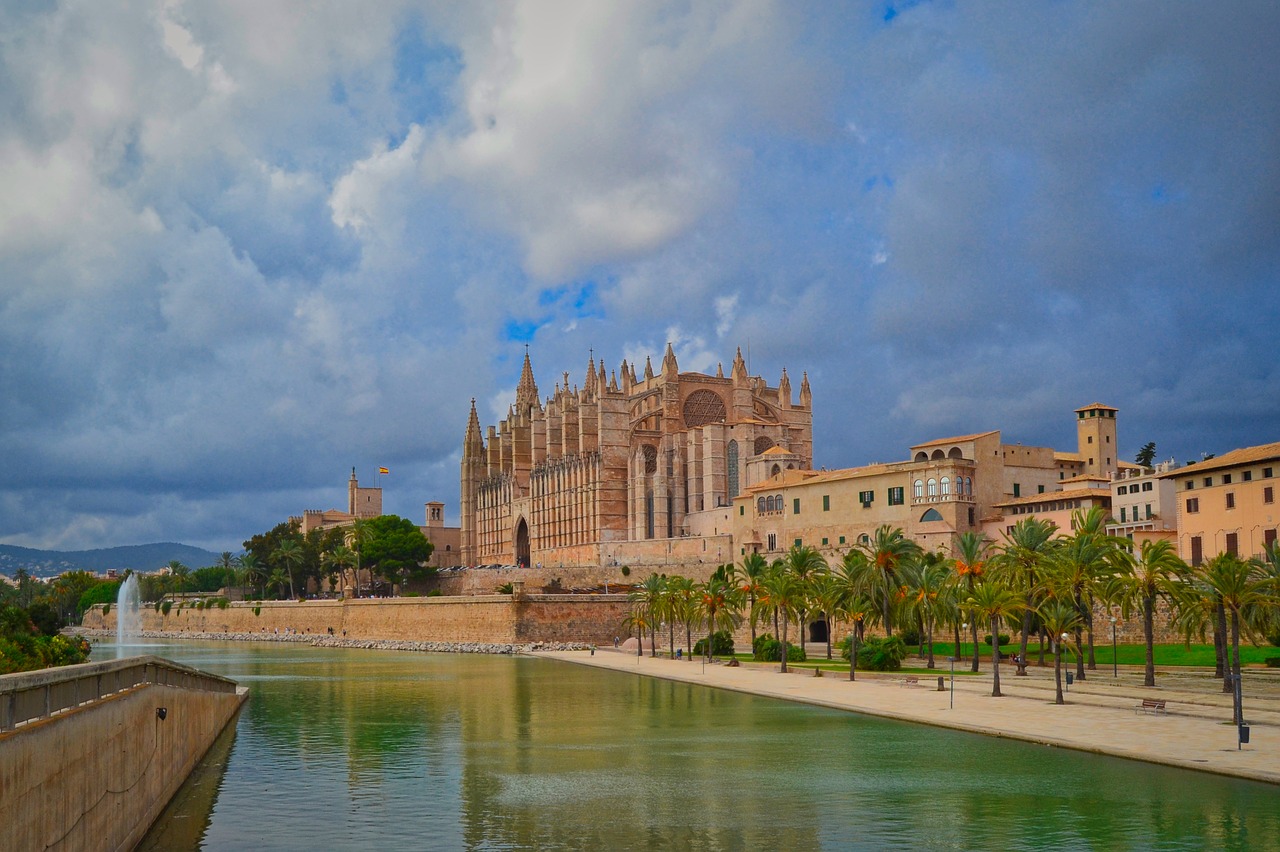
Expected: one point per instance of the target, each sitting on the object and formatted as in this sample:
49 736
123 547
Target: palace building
626 469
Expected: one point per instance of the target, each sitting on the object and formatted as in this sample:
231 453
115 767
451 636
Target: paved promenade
1099 715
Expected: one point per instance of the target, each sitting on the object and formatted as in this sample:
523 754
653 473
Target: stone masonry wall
489 619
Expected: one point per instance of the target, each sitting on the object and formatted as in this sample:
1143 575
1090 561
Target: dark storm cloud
245 248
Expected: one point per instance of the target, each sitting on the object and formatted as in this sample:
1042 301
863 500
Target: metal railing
29 696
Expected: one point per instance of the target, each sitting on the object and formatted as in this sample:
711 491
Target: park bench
1150 705
910 680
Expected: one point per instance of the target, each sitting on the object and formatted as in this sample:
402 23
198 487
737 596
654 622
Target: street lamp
952 661
1115 672
1066 637
964 630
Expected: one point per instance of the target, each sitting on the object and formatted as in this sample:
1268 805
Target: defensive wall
87 758
513 619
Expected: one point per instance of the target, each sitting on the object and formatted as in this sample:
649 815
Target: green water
380 750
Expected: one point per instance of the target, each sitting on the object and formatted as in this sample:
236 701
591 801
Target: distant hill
140 557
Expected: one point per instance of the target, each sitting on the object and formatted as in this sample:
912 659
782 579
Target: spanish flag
383 470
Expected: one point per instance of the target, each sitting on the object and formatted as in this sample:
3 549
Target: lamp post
964 630
1115 670
1066 637
952 660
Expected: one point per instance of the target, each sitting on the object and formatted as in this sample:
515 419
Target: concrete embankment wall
489 619
96 776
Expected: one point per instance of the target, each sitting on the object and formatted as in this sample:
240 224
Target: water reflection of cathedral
624 465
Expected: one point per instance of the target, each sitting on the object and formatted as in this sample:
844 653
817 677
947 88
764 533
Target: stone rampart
97 774
499 619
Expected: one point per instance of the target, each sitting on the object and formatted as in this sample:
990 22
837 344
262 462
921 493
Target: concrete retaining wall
499 619
96 776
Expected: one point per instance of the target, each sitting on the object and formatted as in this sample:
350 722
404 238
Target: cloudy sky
245 246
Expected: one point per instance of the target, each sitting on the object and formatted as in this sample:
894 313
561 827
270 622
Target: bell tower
1096 438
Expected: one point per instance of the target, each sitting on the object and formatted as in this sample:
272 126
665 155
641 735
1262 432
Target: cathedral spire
473 443
527 390
784 390
648 368
670 369
589 383
719 370
806 395
739 372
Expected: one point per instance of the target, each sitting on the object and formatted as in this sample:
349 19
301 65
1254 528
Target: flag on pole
383 470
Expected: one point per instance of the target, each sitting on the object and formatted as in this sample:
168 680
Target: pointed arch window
931 515
732 464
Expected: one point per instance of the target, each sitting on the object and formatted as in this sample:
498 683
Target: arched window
922 456
919 488
954 453
732 465
776 470
946 486
938 455
968 486
933 487
760 505
931 515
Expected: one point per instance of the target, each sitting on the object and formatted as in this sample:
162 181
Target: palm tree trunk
995 657
1220 646
1088 623
955 652
672 625
1079 655
1148 633
929 633
711 629
853 652
784 645
1057 671
975 645
752 598
1237 692
1022 648
830 629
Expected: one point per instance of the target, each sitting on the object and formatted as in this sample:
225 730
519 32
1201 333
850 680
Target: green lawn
1127 655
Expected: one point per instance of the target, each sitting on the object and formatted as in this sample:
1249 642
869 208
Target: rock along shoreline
342 642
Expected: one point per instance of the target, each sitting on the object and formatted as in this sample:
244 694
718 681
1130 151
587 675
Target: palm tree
1156 572
782 594
1020 563
806 564
828 592
970 567
721 600
858 610
1244 591
1059 618
229 563
885 552
250 569
357 534
684 607
340 559
278 580
995 602
749 573
926 578
1079 563
290 555
179 573
647 597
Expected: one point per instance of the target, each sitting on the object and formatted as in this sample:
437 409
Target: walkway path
1195 734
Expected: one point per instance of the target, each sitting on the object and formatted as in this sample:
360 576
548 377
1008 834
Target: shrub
505 589
910 636
223 603
767 649
157 606
1272 662
1004 639
106 608
1274 639
166 607
257 610
435 593
626 570
721 644
882 655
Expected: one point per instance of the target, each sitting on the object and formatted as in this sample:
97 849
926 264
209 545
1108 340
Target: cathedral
625 466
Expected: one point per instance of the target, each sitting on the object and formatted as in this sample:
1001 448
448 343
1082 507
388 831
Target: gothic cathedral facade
625 463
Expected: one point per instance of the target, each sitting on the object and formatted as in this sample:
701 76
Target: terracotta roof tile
960 439
1245 455
1051 496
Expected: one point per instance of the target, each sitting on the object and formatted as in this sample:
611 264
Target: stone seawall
97 774
492 619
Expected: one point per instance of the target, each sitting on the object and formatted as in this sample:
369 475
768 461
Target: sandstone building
627 468
1228 504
